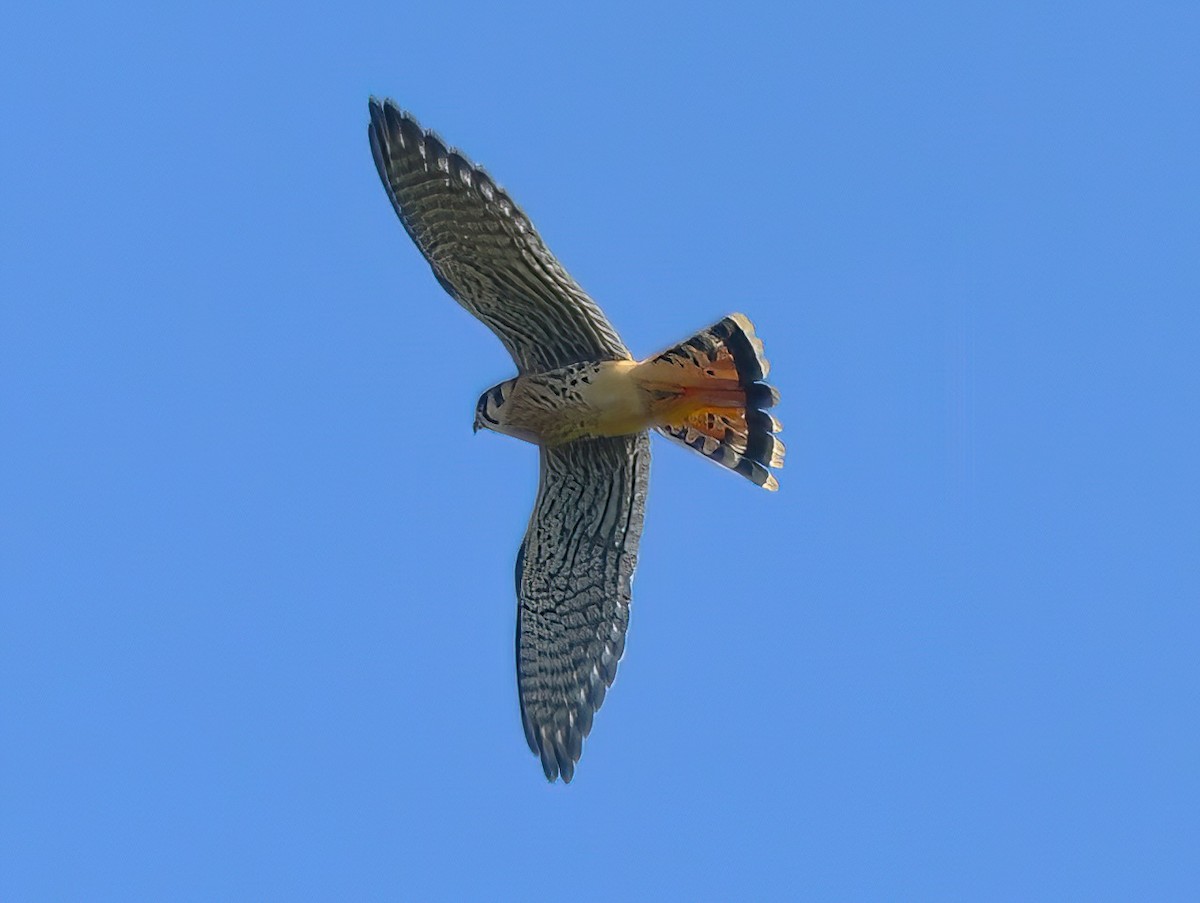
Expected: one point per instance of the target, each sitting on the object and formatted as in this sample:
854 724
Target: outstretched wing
573 589
484 251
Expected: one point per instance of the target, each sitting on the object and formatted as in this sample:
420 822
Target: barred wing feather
484 250
574 572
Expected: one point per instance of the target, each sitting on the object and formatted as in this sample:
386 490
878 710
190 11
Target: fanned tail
710 396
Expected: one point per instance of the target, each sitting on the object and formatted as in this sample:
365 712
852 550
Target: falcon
589 407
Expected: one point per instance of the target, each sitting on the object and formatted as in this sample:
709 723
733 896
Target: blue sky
256 572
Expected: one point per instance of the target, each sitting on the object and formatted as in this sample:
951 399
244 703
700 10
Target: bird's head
489 410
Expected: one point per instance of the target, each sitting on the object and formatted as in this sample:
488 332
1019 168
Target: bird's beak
475 426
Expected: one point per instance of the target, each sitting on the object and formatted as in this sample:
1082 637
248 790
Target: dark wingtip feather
392 125
586 715
559 749
545 751
559 744
566 765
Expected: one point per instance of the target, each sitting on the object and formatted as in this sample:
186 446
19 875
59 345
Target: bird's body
604 398
588 405
598 398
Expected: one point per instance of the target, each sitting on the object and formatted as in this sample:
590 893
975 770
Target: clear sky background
256 631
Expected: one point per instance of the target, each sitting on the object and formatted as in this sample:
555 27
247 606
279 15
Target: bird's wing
484 250
573 589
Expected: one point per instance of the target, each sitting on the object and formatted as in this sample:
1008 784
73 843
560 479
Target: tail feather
711 398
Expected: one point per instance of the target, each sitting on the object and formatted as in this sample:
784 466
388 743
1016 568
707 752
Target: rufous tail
709 395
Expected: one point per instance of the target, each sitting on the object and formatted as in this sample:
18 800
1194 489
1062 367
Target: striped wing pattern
484 250
573 588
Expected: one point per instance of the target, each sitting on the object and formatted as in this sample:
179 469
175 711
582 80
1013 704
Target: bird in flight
588 406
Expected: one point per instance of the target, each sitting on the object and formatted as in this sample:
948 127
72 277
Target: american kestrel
587 404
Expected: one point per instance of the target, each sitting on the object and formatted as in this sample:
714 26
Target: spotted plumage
587 404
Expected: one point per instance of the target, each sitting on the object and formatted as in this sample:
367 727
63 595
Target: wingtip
388 115
566 771
558 753
376 107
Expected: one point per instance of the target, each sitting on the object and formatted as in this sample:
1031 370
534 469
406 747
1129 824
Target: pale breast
593 399
618 404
